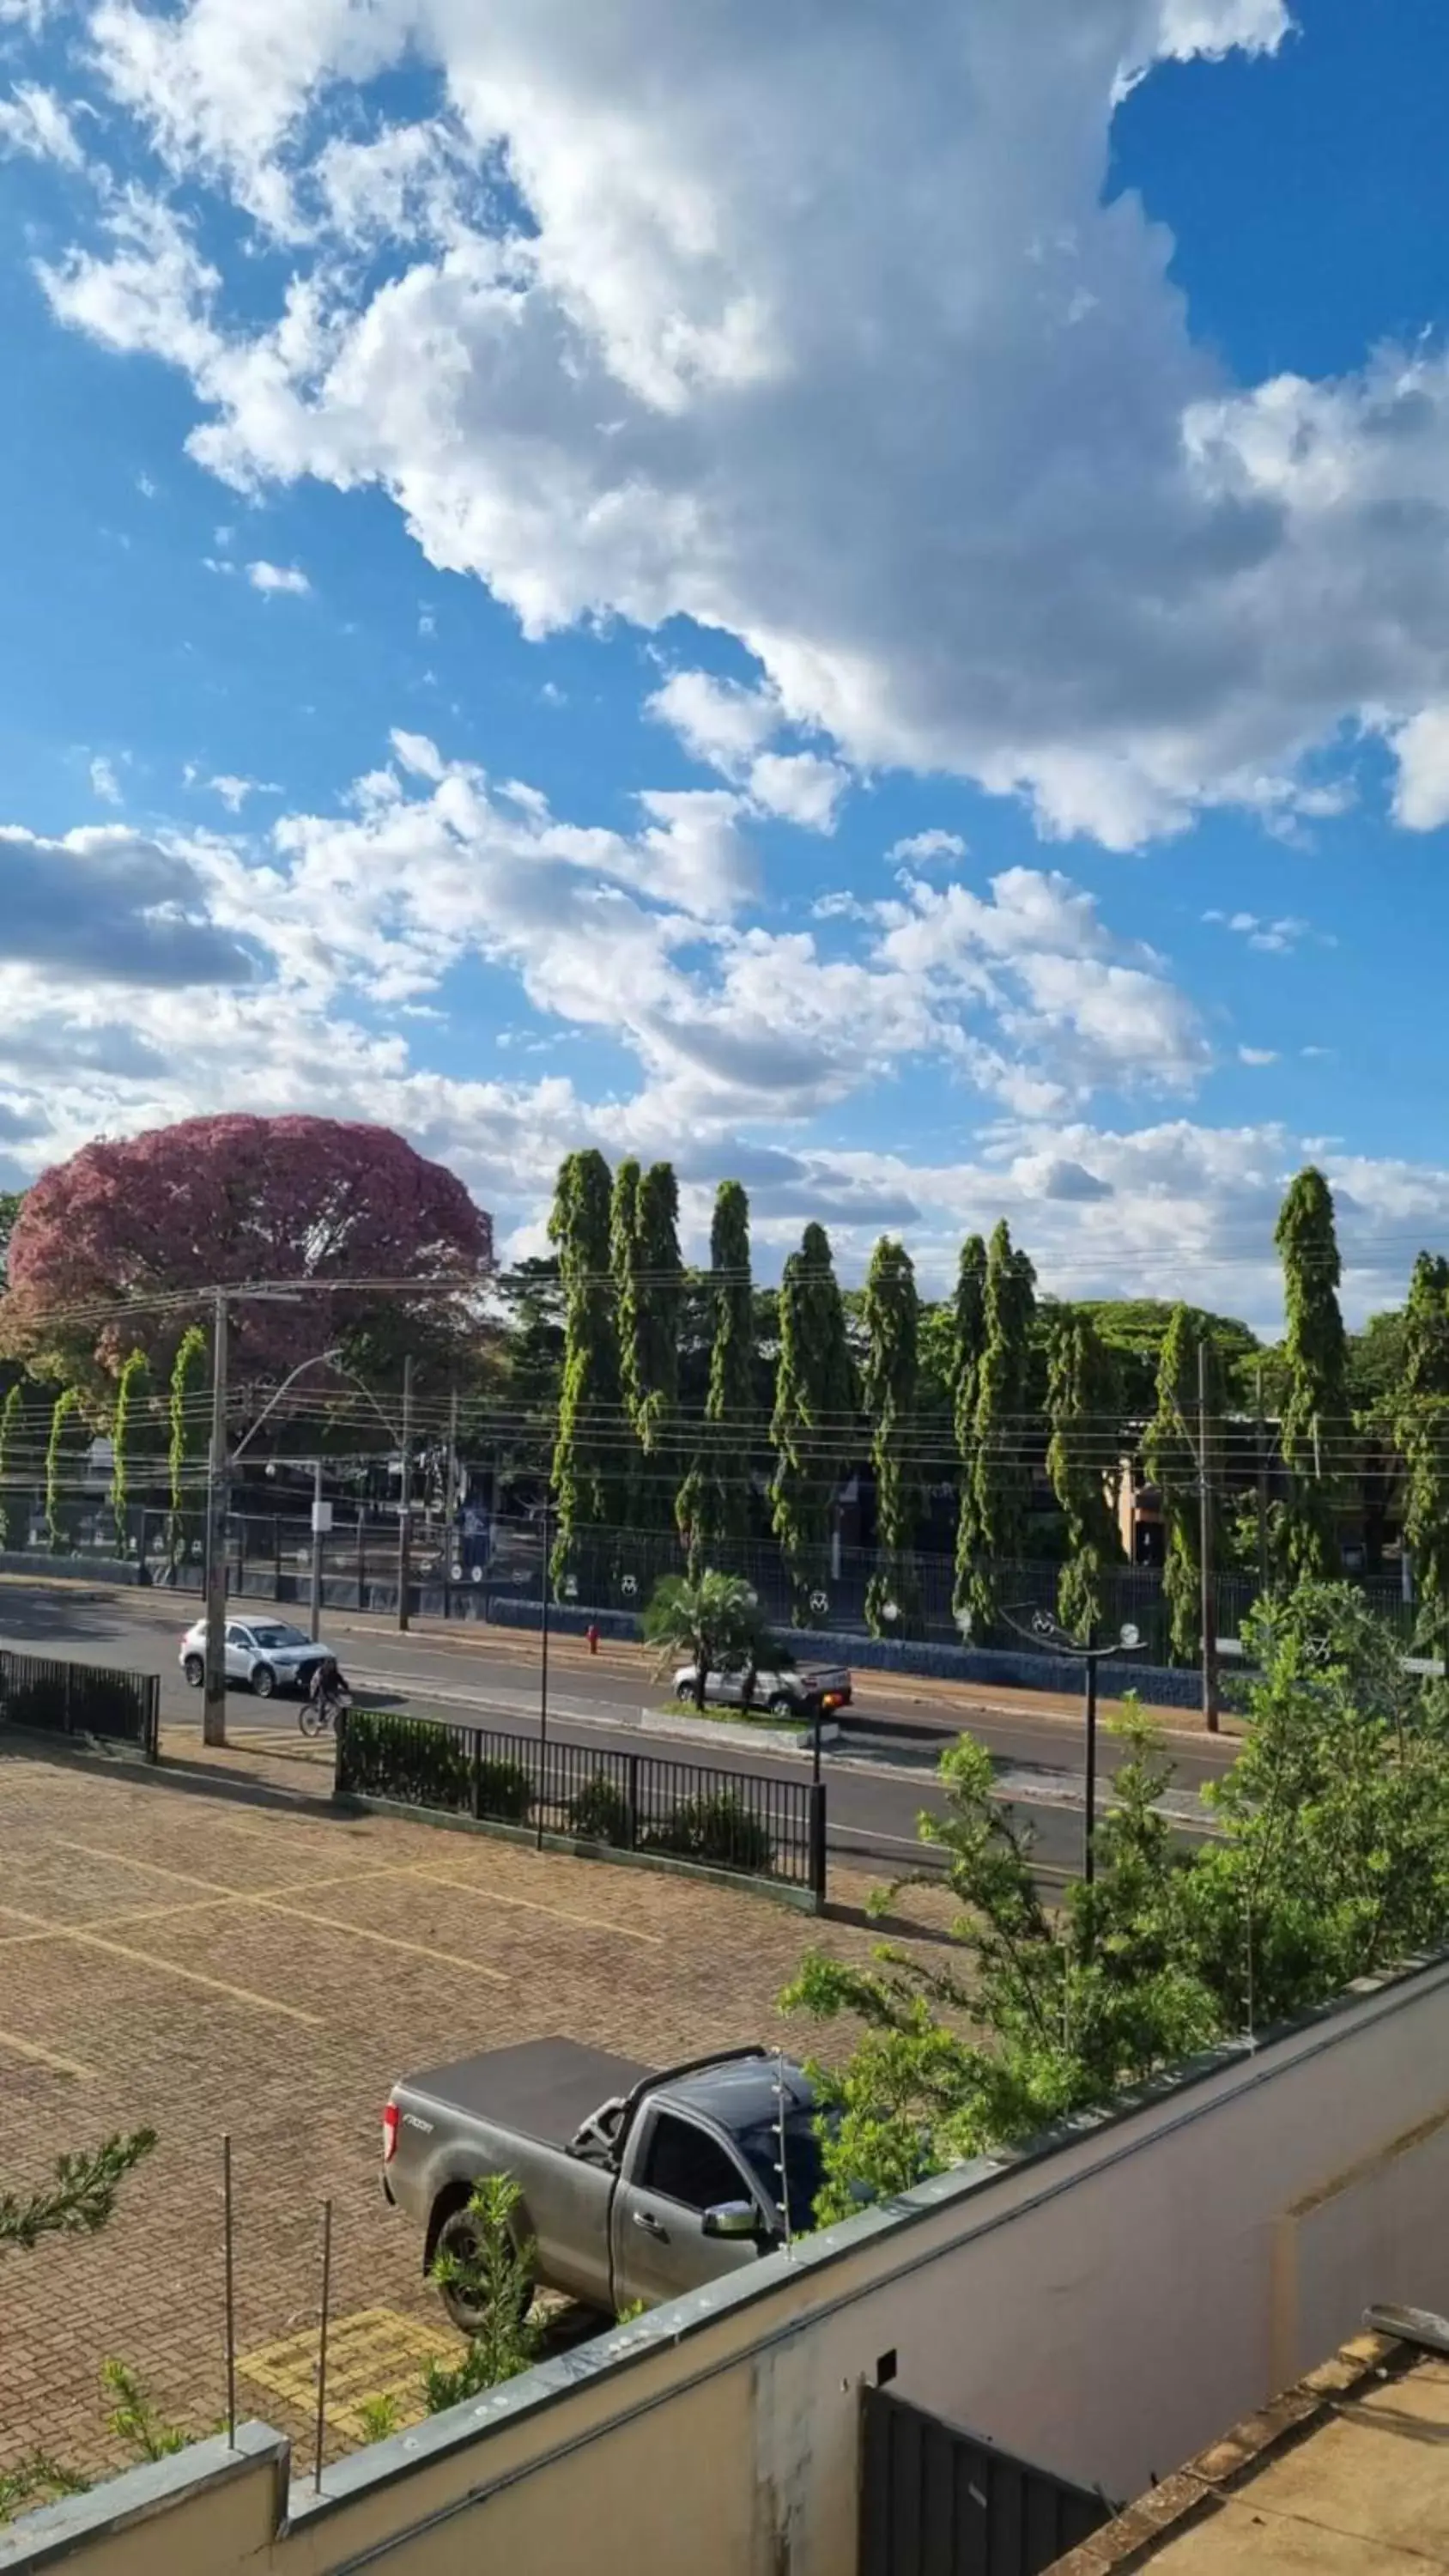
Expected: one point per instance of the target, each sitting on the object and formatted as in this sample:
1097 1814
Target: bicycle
321 1709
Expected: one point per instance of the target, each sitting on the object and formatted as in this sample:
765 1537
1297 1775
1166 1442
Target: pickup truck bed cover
544 2089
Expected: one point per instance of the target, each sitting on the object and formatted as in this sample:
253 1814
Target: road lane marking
47 2056
167 1967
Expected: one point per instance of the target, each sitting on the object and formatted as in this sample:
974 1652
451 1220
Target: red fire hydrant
592 1633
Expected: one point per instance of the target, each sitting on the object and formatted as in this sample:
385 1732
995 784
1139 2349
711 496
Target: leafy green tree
968 1321
491 2277
1082 1463
999 1473
65 1459
811 1428
892 1321
710 1620
590 1423
13 1512
1315 1417
131 1433
80 2197
714 1500
189 1433
649 1278
1422 1431
1171 1453
1134 1330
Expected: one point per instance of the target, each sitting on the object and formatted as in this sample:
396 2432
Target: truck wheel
195 1671
780 1704
458 2237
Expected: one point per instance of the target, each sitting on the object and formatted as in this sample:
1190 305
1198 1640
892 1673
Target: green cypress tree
1315 1424
189 1430
65 1458
1082 1400
654 1360
812 1423
714 1499
12 1512
1171 1458
129 1428
969 1342
590 1421
1422 1431
892 1323
999 1474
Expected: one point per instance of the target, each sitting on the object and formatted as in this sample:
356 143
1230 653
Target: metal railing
41 1695
739 1821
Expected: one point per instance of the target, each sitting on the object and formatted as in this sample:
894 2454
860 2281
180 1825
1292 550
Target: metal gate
935 2501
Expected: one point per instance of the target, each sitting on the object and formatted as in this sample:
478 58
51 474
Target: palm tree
707 1620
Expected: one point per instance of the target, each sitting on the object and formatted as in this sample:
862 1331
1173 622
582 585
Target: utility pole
545 1579
213 1716
321 1522
450 1504
1089 1801
1205 1550
405 1498
1261 1435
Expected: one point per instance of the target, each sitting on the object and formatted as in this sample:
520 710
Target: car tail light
389 2132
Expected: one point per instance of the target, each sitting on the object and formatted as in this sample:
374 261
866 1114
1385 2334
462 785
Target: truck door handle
646 2219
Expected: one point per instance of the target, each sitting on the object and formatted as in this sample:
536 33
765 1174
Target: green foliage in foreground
1332 1862
81 2196
497 2278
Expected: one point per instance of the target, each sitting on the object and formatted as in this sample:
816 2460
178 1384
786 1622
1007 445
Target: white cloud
147 487
1273 937
270 578
924 849
35 122
960 481
1421 798
104 783
1257 1055
719 722
234 790
800 787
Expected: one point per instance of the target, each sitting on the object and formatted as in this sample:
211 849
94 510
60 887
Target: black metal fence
755 1826
41 1695
937 2501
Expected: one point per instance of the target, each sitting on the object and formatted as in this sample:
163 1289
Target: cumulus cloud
1273 937
234 790
271 578
949 466
1421 796
104 783
925 849
108 904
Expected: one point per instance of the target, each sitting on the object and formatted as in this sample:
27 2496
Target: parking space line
167 1967
47 2056
387 1940
534 1905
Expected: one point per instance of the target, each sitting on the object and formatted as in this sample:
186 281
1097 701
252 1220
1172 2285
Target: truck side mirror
732 2218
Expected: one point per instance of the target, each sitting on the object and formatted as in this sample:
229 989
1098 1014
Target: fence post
67 1727
631 1797
817 1844
339 1743
361 1558
475 1749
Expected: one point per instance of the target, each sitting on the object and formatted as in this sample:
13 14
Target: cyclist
326 1697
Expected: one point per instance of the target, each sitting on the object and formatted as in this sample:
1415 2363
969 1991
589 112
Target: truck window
684 2163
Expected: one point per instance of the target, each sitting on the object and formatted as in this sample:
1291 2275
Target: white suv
267 1653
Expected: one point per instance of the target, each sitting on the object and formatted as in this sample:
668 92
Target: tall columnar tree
1422 1432
130 1434
714 1500
1172 1460
1082 1464
969 1342
65 1459
813 1421
999 1473
650 1279
590 1423
14 1513
1315 1426
892 1323
189 1431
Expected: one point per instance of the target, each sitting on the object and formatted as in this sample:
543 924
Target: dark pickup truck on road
636 2185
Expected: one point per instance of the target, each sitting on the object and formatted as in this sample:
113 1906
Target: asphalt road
878 1781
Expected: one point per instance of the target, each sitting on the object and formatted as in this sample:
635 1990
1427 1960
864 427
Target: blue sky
867 610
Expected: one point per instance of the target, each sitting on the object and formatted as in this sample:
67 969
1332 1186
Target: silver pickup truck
635 2185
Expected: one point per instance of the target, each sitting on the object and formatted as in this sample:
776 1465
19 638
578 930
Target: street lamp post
219 1465
543 1592
1046 1630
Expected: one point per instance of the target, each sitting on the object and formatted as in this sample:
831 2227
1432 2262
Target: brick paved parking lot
203 1950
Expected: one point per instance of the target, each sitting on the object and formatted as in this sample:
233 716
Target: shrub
716 1828
412 1760
504 1791
599 1813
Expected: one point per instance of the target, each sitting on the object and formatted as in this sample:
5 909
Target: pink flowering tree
232 1201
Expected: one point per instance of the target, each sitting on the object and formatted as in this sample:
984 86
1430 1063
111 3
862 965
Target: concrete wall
1105 2304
